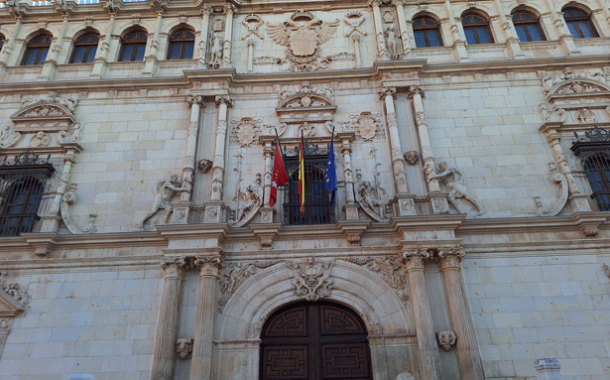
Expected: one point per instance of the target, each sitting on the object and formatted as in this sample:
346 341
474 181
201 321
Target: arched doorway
315 341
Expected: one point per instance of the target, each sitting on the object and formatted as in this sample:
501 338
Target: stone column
50 222
101 56
226 46
49 70
402 25
382 52
566 41
205 22
355 37
398 163
603 16
429 359
509 31
223 102
459 38
169 314
150 66
250 42
448 260
268 154
207 308
351 208
5 55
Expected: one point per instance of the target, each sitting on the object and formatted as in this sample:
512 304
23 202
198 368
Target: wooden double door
315 341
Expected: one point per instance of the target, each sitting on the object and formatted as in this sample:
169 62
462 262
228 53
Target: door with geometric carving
315 341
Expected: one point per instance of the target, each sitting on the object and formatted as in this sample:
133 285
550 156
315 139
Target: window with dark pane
579 23
181 45
528 27
427 32
37 50
1 42
84 48
477 30
593 151
133 46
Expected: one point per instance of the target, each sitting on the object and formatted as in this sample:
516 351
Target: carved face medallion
306 101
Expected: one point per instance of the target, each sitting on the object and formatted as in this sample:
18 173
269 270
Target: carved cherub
40 139
164 192
454 182
392 43
215 51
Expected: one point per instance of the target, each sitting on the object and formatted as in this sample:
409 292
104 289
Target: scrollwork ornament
311 278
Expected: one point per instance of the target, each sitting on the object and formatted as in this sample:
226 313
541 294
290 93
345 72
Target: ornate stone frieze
446 339
569 82
68 199
311 278
184 347
456 187
306 105
585 116
46 113
560 179
390 268
302 35
234 274
164 191
245 132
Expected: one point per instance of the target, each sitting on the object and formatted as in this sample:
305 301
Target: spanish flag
302 176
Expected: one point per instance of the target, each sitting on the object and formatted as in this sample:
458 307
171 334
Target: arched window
579 23
427 33
37 50
528 27
181 44
84 48
315 341
597 169
476 29
133 46
20 202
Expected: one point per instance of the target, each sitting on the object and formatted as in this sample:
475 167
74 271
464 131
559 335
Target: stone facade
463 234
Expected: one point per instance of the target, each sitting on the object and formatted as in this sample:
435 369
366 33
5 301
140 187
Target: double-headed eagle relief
302 35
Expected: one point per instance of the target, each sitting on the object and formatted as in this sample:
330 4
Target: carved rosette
234 274
311 278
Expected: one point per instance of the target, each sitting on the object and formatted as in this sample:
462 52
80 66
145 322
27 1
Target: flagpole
277 137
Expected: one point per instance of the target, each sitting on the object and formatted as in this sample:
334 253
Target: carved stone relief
585 115
591 81
40 140
245 132
366 126
218 24
13 289
68 199
456 187
248 203
234 274
215 51
164 191
8 136
560 179
306 104
252 23
369 197
388 17
412 157
302 35
392 43
354 20
390 268
311 278
184 347
446 339
205 165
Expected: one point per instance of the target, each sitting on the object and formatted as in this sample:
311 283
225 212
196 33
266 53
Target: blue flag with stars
330 174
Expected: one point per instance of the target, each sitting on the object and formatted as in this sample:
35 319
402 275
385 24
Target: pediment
9 307
579 87
306 105
307 101
43 116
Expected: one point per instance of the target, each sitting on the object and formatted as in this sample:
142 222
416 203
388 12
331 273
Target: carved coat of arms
302 35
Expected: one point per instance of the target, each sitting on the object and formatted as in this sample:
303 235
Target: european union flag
330 174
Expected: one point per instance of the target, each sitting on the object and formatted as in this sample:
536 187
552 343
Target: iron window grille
318 205
21 189
593 151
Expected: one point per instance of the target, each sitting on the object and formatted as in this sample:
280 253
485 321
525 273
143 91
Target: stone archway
315 341
392 339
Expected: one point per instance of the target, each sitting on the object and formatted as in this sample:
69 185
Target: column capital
208 265
195 99
415 90
398 3
224 99
415 257
386 91
175 266
230 8
449 258
374 3
206 10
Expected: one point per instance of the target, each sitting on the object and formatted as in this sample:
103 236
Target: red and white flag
279 176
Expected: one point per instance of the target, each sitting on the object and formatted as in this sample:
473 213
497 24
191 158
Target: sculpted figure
392 42
8 137
252 199
454 182
164 192
184 347
40 139
215 51
367 195
585 115
62 137
76 132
